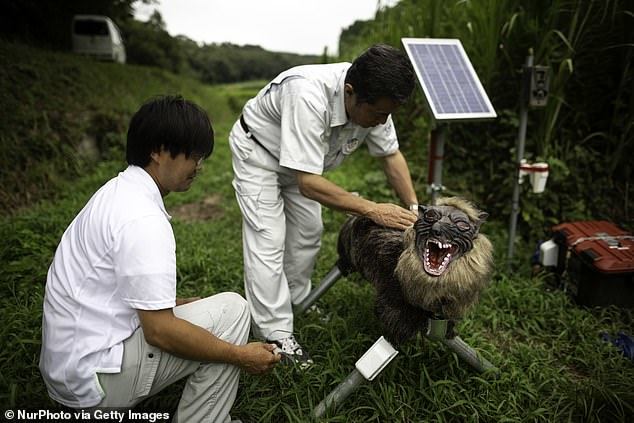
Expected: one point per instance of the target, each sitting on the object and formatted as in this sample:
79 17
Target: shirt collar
338 104
139 176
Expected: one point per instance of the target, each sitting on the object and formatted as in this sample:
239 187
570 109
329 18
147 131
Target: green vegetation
148 43
553 365
585 133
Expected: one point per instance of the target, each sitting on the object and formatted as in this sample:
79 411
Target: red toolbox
598 260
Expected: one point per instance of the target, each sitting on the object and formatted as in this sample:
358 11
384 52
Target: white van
97 36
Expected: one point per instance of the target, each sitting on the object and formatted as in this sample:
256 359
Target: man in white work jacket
303 123
113 331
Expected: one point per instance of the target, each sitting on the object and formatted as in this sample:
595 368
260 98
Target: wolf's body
446 237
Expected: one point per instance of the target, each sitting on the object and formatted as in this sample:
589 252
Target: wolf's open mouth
437 256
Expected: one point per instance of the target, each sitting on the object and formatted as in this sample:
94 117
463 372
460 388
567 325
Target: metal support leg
328 281
469 355
437 331
340 393
368 367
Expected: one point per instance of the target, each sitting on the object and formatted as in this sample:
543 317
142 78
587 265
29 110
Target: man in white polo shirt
303 123
113 331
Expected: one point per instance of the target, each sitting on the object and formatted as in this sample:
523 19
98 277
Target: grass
553 365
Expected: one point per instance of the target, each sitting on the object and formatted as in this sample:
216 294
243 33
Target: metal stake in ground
379 355
328 281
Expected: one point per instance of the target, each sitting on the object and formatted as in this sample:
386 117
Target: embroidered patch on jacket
350 145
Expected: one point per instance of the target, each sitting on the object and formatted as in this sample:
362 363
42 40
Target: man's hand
317 188
181 338
257 357
391 216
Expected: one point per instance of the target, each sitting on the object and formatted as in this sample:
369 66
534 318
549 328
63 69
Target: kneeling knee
234 300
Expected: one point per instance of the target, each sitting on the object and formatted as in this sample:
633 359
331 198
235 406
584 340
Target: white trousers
281 236
211 388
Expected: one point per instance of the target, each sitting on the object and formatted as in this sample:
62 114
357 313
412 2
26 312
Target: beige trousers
281 237
211 388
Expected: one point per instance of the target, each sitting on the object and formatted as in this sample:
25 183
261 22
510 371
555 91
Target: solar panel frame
435 94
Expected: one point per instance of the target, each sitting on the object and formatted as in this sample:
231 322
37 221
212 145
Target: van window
91 27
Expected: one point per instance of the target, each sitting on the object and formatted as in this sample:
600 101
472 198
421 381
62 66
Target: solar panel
451 86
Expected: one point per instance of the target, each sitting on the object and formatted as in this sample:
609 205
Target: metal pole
436 155
329 280
469 355
437 331
340 393
521 138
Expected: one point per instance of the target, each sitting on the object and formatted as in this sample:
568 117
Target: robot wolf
435 269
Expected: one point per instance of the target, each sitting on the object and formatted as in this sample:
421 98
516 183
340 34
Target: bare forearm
181 338
186 340
331 195
398 175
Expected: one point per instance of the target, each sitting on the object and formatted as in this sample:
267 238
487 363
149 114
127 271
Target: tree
47 23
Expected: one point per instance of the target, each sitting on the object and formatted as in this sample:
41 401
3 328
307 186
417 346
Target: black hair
170 123
381 71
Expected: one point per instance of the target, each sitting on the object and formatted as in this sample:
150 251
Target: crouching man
113 331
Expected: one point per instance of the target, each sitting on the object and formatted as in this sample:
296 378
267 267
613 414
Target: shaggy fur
459 265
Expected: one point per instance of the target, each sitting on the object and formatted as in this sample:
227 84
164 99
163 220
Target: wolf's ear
482 216
409 236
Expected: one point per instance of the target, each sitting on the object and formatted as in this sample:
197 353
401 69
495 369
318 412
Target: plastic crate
598 259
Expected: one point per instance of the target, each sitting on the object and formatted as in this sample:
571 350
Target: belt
251 136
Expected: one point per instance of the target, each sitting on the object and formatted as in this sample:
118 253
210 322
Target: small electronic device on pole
534 93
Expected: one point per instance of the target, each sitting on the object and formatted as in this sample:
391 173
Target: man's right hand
318 188
258 357
391 216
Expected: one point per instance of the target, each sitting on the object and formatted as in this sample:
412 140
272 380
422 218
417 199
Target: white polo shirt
300 118
116 256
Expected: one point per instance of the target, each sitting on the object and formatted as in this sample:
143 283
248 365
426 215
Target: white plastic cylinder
539 176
